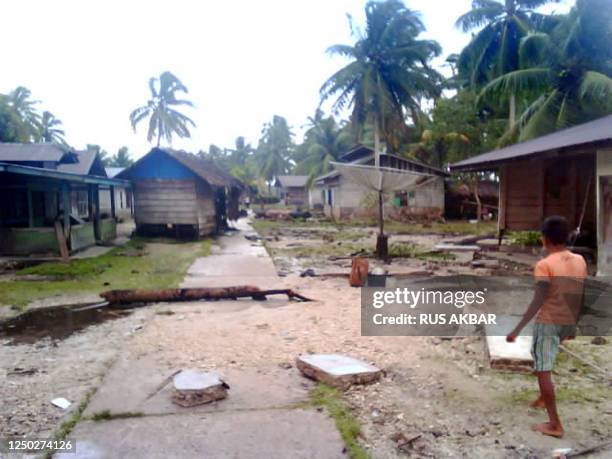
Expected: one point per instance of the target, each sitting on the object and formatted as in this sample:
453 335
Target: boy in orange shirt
556 304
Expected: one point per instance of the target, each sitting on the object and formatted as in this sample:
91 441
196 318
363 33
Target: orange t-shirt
565 271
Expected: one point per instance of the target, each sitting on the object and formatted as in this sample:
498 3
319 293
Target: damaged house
343 198
567 173
50 198
181 194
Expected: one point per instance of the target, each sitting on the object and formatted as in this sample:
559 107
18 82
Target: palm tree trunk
381 241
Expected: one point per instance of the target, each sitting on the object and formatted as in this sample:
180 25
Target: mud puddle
56 323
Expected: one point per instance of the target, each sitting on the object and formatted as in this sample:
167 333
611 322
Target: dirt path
267 413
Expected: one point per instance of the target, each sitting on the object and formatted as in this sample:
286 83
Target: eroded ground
438 397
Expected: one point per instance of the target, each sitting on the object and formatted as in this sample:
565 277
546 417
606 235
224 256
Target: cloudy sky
89 62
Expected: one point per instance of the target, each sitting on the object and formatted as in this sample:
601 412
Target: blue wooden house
180 194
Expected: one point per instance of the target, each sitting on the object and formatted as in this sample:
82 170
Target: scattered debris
192 388
308 273
17 371
61 403
337 370
599 341
457 247
404 442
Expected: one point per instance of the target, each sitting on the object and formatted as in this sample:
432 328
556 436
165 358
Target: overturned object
336 370
193 294
192 388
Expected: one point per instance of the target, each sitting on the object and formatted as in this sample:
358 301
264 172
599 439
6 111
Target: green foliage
21 122
525 238
162 110
49 129
567 74
324 141
388 73
121 159
348 426
275 149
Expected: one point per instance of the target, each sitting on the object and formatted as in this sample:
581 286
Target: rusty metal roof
587 134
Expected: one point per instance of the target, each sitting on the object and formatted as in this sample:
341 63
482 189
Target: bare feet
548 429
537 403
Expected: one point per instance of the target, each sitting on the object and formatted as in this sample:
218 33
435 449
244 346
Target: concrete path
266 414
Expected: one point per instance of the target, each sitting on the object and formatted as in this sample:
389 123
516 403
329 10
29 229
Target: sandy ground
440 391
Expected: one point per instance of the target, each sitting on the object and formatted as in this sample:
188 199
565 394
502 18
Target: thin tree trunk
477 198
512 115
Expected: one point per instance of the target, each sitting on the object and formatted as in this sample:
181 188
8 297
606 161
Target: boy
557 301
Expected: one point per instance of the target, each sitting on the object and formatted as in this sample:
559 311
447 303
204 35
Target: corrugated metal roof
292 181
33 152
83 166
113 171
60 175
599 130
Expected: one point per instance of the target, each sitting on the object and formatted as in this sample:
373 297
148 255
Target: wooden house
567 173
178 193
342 198
43 185
292 189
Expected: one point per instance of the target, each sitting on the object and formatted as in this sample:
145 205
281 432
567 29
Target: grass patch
138 264
321 251
450 228
410 250
68 425
349 428
107 415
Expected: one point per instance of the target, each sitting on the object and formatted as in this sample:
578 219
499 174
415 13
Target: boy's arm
541 291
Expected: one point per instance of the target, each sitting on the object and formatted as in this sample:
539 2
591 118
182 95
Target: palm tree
49 129
122 158
566 76
164 119
494 50
388 75
387 78
274 149
20 100
325 141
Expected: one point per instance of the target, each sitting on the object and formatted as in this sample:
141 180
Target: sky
89 62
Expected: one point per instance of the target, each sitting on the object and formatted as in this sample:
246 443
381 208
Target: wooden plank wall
163 201
533 190
207 221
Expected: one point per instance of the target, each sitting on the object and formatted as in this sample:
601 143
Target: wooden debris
61 242
115 297
336 370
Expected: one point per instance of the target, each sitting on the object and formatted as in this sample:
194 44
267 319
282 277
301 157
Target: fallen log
116 297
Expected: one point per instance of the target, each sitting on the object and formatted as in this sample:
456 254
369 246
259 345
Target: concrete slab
235 261
192 388
134 386
270 434
509 356
337 370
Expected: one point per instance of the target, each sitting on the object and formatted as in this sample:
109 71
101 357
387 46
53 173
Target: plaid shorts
546 340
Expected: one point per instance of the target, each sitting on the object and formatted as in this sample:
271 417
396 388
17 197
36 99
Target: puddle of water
56 323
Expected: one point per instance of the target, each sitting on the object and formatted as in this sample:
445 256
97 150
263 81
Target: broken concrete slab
514 356
336 370
252 389
192 388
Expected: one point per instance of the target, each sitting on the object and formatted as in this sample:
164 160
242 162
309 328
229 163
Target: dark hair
556 229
